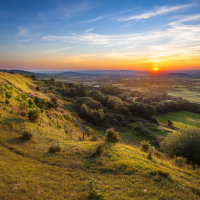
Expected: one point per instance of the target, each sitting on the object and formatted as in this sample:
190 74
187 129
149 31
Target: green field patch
182 119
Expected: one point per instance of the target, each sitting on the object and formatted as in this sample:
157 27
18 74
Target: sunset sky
99 34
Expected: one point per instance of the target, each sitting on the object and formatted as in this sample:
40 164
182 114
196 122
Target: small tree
154 120
34 115
184 143
170 123
112 135
114 103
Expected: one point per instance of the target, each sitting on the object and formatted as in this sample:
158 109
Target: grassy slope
182 119
28 171
19 82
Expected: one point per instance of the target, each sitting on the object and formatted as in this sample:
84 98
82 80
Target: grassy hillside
83 169
182 119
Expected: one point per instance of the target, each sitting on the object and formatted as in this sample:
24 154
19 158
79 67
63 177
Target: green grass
182 119
186 94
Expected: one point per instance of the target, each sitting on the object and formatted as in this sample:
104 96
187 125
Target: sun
155 69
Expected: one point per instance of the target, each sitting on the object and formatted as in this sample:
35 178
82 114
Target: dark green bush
169 123
184 143
55 148
114 121
27 135
34 115
154 120
24 114
112 135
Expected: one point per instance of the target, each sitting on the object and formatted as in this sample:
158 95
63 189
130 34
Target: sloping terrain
83 169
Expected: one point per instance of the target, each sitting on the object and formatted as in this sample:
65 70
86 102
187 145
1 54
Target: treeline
114 105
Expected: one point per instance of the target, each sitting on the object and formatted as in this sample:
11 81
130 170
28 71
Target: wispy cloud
93 20
90 29
157 11
190 18
23 31
177 41
108 15
49 51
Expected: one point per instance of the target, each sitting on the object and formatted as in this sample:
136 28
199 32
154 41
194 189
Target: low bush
159 172
183 143
145 146
55 148
27 135
94 193
154 120
24 114
169 123
180 161
34 115
112 135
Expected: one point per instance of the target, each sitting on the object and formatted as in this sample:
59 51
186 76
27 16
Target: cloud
23 32
157 11
177 41
190 18
93 20
108 15
127 25
90 29
49 51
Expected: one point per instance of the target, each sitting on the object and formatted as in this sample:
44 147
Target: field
192 96
181 119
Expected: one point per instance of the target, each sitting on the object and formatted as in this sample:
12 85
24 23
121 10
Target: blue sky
112 34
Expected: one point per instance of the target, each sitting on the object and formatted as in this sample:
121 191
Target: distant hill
71 74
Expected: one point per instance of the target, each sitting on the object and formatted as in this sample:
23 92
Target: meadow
181 119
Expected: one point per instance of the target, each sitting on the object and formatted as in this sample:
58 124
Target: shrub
145 146
169 123
27 135
24 114
184 143
180 161
34 115
159 172
94 193
112 135
94 137
154 120
114 121
55 148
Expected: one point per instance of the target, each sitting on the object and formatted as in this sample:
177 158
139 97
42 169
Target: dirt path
150 130
80 125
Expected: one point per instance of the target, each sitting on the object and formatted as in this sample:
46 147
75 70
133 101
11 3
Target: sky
100 35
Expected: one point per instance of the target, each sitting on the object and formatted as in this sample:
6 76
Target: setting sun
155 69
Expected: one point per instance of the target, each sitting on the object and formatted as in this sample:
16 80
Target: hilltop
79 168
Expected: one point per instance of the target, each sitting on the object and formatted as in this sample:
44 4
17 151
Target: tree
112 135
96 95
169 123
34 115
54 100
84 110
184 143
149 111
114 103
31 103
154 120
